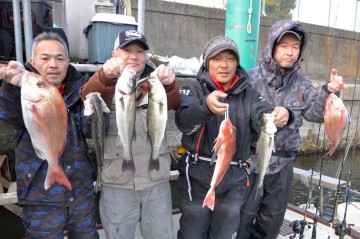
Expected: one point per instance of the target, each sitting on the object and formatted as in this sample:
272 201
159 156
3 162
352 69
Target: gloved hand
89 105
113 67
164 73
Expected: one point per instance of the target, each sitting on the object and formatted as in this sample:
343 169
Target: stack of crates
102 32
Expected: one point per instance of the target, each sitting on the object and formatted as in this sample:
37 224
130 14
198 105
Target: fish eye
40 84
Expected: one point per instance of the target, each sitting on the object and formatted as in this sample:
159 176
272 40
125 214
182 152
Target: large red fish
336 119
225 149
45 118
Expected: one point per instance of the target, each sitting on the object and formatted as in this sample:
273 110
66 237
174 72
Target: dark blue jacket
31 170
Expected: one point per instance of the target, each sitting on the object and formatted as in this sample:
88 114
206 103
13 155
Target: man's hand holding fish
12 73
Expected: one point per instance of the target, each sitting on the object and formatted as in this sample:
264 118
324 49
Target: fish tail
210 200
259 191
154 164
128 165
331 151
56 176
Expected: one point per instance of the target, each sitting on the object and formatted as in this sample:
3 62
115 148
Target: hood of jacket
243 81
268 66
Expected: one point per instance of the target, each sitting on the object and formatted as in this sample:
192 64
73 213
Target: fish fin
209 200
128 165
62 149
56 174
216 150
134 136
38 118
273 146
154 164
259 191
39 153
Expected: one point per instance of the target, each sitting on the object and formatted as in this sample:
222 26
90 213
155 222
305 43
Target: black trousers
262 217
198 222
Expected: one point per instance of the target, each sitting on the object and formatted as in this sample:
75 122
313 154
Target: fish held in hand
157 114
336 119
98 133
125 105
265 147
224 148
42 105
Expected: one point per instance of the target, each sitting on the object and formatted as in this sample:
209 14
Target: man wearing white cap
278 81
128 197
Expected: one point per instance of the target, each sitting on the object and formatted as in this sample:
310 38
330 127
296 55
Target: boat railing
9 199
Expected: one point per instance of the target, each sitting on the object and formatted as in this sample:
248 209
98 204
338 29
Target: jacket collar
242 82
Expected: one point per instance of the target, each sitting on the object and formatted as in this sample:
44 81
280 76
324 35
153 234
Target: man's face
287 52
133 55
222 67
51 61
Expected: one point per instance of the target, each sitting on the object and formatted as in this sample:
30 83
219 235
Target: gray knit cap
217 45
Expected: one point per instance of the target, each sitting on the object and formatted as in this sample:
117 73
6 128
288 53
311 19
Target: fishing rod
298 226
343 229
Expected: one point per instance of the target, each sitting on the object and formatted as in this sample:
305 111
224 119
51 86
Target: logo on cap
130 34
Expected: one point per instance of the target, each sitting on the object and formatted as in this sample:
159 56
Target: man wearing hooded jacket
278 81
221 83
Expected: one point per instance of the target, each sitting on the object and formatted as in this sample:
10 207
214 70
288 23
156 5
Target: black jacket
245 112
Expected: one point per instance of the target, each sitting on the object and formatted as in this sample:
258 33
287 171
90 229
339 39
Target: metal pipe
27 28
357 3
329 14
17 31
141 16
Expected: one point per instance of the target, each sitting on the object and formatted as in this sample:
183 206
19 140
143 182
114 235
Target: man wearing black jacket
221 83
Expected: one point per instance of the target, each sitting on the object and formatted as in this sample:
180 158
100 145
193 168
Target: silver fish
125 115
42 106
264 148
98 134
157 117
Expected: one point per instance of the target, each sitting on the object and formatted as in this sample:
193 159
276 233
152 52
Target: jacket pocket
164 169
112 172
296 107
112 126
113 147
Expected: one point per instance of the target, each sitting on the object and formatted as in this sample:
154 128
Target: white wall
78 14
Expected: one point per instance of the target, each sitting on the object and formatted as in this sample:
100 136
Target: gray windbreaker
296 93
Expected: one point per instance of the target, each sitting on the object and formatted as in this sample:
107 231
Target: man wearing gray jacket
278 81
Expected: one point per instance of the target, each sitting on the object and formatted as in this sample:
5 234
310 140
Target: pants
45 221
122 209
198 222
263 217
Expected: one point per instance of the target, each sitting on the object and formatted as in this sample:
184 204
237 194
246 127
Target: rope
248 27
306 177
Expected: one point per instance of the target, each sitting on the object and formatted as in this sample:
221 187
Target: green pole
242 25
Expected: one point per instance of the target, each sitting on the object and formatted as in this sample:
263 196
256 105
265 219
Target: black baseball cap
128 37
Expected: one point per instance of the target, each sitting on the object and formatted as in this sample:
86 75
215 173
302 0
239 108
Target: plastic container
102 32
